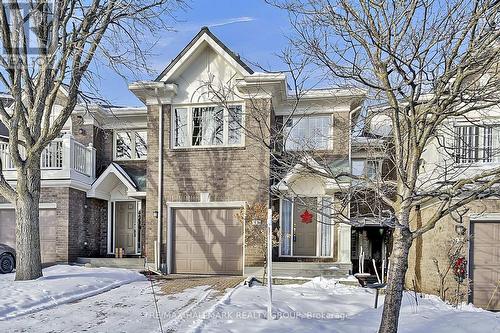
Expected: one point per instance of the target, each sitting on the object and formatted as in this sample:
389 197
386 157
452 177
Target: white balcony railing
63 158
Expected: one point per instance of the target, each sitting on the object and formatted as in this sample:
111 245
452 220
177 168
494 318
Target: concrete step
129 263
303 270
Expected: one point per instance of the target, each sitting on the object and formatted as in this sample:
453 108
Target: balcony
63 159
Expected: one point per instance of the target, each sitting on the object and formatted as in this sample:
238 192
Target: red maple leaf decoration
306 217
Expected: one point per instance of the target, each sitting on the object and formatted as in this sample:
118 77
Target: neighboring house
466 147
462 148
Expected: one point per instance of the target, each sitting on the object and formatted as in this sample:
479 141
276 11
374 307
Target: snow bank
60 284
326 305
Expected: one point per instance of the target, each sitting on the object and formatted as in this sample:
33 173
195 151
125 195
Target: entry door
125 212
305 233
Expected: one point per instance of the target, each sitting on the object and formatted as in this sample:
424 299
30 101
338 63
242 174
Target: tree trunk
28 259
396 280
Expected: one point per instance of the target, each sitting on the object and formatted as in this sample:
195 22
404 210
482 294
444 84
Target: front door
126 215
305 229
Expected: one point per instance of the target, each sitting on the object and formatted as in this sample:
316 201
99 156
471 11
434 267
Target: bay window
130 145
208 126
308 132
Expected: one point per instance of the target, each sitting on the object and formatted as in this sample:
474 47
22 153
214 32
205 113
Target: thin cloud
232 21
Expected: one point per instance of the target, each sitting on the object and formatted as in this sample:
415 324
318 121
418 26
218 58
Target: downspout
160 181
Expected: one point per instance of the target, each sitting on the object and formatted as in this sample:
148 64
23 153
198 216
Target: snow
60 284
128 308
326 305
76 299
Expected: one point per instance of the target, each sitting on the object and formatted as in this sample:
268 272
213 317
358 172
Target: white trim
42 205
132 144
216 204
170 221
112 203
118 171
485 217
225 132
111 249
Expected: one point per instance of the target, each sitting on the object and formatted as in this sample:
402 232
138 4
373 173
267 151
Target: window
180 127
131 145
373 170
367 168
308 133
207 126
473 144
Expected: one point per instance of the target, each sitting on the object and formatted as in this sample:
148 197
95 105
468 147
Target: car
7 259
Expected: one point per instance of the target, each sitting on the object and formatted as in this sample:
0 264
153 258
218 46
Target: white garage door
47 232
208 241
486 265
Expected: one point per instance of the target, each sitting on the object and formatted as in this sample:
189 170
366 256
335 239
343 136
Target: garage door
208 241
486 265
47 231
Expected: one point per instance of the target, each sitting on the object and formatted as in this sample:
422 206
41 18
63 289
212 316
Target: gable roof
103 185
204 31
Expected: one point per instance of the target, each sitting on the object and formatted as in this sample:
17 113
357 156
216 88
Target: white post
66 153
383 270
91 161
388 268
270 263
376 272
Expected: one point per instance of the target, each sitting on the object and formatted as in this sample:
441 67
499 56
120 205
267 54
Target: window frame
132 145
301 117
189 128
482 154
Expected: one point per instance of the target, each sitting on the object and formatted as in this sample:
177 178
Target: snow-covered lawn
60 284
76 299
325 306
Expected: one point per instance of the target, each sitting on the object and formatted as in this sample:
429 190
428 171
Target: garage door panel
208 241
486 264
48 232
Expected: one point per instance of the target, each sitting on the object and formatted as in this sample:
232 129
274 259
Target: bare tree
429 64
49 46
428 71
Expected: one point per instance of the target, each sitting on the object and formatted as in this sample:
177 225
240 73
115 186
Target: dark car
7 259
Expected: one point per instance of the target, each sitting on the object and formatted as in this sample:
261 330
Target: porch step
306 270
129 263
311 269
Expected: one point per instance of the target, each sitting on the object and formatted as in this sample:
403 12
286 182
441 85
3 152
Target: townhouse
165 184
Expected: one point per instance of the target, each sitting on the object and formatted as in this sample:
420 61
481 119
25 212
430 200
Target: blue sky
251 28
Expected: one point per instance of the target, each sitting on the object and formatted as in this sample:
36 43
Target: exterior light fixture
155 214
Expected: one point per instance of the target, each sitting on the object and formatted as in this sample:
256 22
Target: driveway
131 308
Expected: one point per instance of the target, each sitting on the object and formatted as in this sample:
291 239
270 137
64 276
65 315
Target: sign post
270 263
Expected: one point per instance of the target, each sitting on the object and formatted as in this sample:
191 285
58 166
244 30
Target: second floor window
371 169
131 145
308 133
207 126
474 144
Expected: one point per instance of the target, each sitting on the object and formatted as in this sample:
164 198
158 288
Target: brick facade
227 174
